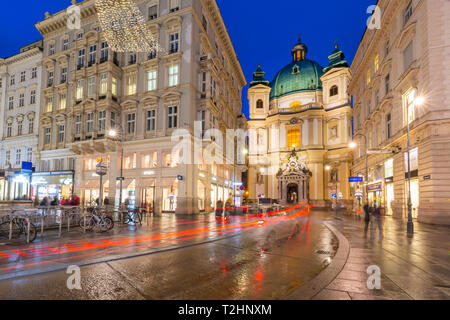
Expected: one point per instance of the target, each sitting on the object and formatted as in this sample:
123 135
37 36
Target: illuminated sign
374 187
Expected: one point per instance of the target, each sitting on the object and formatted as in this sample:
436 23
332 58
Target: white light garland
124 27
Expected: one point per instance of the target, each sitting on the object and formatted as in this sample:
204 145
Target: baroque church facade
300 128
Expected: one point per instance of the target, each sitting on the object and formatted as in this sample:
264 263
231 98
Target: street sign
101 169
180 178
27 167
120 178
355 179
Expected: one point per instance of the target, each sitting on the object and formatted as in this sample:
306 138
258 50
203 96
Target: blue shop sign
355 179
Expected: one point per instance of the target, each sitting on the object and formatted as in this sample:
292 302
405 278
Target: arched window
259 104
293 137
334 91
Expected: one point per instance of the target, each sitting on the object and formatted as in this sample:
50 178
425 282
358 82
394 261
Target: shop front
375 192
91 191
170 195
52 184
148 194
389 183
128 192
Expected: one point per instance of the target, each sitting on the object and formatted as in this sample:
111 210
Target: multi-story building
20 90
302 128
401 75
142 97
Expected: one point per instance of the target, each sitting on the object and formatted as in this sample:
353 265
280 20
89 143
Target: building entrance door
292 193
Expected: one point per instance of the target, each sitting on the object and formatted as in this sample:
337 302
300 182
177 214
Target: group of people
71 201
372 218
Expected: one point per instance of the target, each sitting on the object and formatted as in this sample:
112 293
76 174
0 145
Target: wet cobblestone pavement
173 258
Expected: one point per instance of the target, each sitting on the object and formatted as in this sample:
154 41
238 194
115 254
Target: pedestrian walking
377 223
366 218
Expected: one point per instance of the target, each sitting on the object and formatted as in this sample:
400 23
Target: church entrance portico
293 182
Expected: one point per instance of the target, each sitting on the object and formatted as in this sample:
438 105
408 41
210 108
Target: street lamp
353 145
410 225
113 133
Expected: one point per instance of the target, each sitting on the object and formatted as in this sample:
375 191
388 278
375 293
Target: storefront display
52 184
170 195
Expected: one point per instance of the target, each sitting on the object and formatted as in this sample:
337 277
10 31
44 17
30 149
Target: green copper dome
298 76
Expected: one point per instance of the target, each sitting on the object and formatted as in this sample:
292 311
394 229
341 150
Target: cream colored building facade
407 58
305 108
145 97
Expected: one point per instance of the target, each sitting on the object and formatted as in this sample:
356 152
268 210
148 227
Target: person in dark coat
366 218
377 223
55 201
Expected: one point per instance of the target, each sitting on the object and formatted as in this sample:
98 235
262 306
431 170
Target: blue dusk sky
263 32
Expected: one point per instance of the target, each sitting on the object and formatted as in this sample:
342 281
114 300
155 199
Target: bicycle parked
132 217
18 228
97 220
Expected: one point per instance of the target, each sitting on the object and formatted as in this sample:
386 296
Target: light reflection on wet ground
174 258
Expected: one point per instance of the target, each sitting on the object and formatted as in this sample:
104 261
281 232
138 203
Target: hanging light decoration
124 26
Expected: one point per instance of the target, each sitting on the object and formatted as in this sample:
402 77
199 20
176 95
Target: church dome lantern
299 51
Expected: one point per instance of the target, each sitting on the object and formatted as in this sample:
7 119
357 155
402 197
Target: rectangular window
19 128
408 13
91 86
101 121
80 85
388 126
114 86
173 75
18 156
410 107
47 135
408 56
80 36
9 130
132 58
174 43
90 122
50 79
81 54
152 12
387 84
174 5
62 101
150 160
104 52
203 119
413 158
65 44
11 103
203 82
213 88
61 129
113 119
78 124
29 154
103 83
131 84
368 79
151 120
92 54
377 63
172 117
31 126
22 76
131 121
151 80
1 83
34 73
32 96
21 99
8 157
64 75
49 104
12 80
51 49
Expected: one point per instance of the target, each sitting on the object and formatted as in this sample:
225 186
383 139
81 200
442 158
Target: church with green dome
300 128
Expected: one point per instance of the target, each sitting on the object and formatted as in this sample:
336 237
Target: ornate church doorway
292 193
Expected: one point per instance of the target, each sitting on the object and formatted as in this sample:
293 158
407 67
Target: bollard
68 222
42 224
84 223
60 226
10 228
28 229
